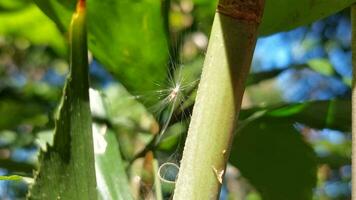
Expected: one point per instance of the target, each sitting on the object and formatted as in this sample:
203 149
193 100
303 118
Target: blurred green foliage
25 20
273 148
127 37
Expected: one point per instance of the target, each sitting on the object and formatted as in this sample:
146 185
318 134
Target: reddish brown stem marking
245 10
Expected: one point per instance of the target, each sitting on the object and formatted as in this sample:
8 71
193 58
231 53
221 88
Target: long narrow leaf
67 168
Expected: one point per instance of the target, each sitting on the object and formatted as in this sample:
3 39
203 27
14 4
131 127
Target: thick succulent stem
219 97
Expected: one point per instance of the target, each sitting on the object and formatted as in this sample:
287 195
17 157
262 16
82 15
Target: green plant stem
157 183
353 47
218 101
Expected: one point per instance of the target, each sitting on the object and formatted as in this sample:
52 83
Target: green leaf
134 125
111 178
258 77
67 169
127 37
284 15
273 156
22 112
333 114
9 5
124 109
10 178
171 138
321 65
21 167
157 181
30 23
109 166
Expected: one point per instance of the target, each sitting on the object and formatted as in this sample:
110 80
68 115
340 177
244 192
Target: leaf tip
81 5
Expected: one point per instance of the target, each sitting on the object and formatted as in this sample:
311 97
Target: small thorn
224 152
219 174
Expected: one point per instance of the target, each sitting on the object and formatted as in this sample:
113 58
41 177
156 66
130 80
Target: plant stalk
226 67
353 47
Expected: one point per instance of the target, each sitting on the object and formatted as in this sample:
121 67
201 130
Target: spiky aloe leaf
67 168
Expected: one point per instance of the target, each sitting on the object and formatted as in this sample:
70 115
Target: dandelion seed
174 93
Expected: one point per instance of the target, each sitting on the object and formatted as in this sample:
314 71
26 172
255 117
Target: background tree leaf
333 114
130 120
22 112
30 23
9 5
126 37
282 15
273 155
109 167
275 159
10 178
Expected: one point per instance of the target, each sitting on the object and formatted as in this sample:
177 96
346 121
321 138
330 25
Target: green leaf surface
333 114
111 178
110 170
273 156
67 169
127 37
30 23
22 112
13 166
134 125
284 15
321 65
10 178
10 5
124 109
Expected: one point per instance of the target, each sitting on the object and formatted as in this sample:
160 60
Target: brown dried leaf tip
245 10
80 5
